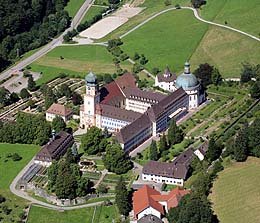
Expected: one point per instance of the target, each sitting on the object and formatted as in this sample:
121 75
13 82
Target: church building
188 81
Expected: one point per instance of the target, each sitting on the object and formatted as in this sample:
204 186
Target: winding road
55 42
24 195
196 16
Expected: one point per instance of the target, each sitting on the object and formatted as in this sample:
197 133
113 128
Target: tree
163 146
113 1
24 94
31 83
175 134
197 3
136 56
14 97
64 90
216 77
204 73
116 160
76 98
255 90
214 150
153 151
254 138
49 97
241 144
192 208
16 157
107 78
91 141
247 72
58 124
122 197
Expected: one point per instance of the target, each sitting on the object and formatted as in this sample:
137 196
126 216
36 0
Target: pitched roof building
54 149
135 114
170 173
148 201
58 110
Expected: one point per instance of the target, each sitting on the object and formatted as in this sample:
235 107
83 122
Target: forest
29 24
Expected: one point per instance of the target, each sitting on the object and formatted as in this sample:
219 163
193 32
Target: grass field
73 6
150 8
240 14
168 39
235 194
8 170
226 50
102 215
77 60
92 12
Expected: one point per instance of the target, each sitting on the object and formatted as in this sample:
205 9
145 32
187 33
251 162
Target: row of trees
246 142
66 180
27 129
26 25
175 135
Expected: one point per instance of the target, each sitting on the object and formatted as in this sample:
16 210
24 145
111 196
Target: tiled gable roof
58 109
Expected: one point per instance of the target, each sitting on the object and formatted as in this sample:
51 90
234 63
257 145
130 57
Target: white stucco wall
161 179
148 211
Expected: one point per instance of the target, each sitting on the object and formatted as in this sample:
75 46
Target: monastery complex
134 114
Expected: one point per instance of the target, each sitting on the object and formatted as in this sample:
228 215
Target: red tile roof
126 80
58 109
142 200
148 197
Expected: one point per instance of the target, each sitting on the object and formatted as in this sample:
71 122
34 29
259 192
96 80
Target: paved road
55 42
196 15
24 195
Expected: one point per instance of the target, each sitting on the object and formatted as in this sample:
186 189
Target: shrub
16 157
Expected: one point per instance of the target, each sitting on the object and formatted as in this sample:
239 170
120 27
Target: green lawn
92 12
150 7
73 6
8 171
235 194
170 39
226 50
77 60
102 215
240 14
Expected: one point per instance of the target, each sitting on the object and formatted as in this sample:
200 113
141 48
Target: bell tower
91 100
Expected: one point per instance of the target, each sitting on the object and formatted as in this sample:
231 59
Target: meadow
92 12
240 14
235 194
226 50
8 171
75 60
73 6
98 214
169 39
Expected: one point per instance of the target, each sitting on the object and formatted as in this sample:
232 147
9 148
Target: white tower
91 100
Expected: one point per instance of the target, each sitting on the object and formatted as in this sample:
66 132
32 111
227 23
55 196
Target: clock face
89 121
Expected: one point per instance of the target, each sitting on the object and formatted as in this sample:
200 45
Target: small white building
166 80
200 152
58 110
